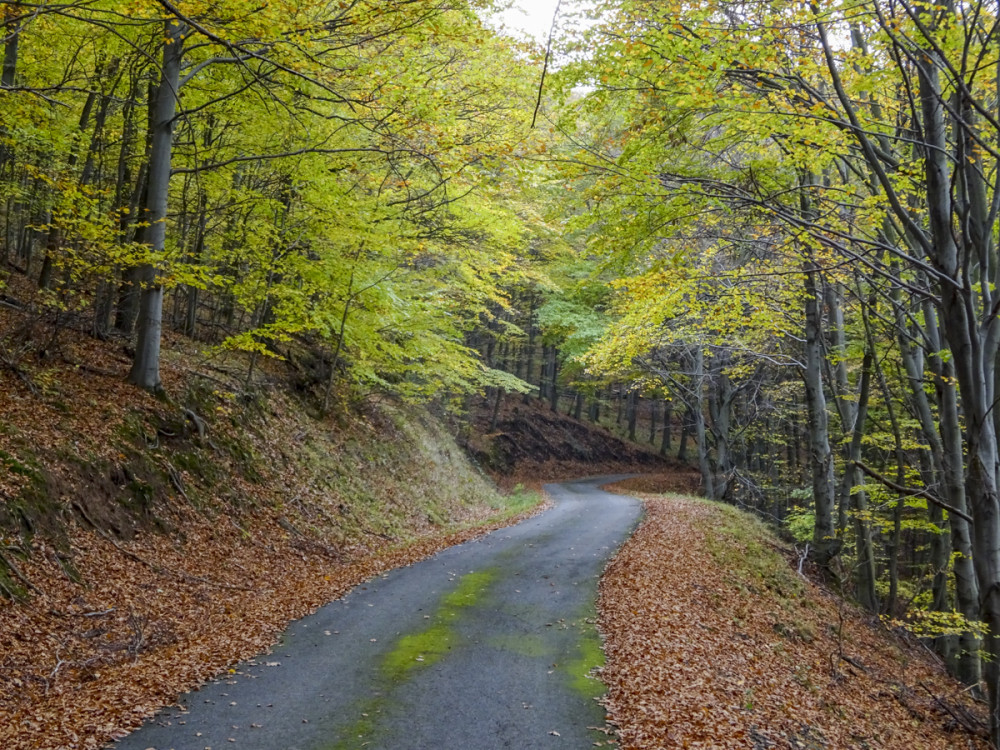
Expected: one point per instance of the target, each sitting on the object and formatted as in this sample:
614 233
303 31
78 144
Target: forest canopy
771 227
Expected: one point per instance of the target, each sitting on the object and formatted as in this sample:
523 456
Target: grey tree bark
698 415
825 544
145 371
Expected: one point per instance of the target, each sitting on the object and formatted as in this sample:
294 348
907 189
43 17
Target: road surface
485 645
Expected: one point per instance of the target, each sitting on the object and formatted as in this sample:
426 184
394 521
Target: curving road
485 645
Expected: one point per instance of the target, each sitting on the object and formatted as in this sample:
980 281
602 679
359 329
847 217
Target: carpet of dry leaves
155 613
81 665
702 654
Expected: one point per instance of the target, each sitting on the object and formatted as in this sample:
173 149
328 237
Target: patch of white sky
530 17
534 18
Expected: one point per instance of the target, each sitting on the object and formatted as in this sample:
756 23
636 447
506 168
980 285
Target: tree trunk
720 406
145 371
865 565
825 545
495 416
128 291
554 374
974 361
8 78
668 415
595 407
632 411
543 378
686 423
698 413
530 360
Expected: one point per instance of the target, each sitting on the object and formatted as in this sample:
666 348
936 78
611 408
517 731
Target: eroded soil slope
532 442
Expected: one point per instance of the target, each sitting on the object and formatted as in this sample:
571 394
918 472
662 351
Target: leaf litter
82 666
714 641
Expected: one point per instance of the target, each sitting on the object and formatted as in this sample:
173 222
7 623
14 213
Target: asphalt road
485 645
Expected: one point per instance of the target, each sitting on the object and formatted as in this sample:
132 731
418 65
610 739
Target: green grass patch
518 501
746 548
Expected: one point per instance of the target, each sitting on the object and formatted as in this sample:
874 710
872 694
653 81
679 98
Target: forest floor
715 640
147 545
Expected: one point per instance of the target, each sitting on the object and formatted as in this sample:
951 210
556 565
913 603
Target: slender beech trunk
668 416
632 413
543 374
967 582
128 290
687 421
145 371
12 30
530 360
495 415
825 545
594 413
54 238
865 564
720 406
554 375
843 400
698 413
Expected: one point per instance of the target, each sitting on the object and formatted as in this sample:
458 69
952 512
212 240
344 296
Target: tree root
9 564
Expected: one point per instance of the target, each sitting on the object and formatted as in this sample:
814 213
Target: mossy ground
584 668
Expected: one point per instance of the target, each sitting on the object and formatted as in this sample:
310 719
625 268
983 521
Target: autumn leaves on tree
804 198
773 226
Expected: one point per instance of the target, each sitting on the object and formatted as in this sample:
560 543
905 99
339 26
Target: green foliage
800 522
925 623
351 180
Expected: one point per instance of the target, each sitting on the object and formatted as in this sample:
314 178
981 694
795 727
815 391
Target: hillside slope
714 640
147 545
533 442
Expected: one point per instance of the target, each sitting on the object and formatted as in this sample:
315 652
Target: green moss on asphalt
588 657
428 646
361 729
419 650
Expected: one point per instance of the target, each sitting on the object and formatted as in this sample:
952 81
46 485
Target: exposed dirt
715 641
532 442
